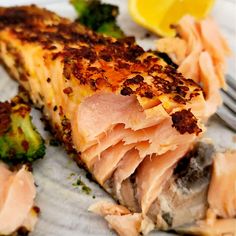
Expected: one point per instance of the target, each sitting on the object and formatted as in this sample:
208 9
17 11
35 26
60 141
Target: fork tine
227 116
227 112
229 102
230 92
231 81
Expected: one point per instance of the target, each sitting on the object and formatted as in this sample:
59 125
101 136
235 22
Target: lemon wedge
159 15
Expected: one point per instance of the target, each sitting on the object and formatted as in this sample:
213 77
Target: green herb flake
79 182
84 187
71 175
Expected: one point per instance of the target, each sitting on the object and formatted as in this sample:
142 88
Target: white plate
64 207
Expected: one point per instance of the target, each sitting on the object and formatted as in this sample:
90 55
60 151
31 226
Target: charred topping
36 210
90 177
133 52
93 59
165 57
104 55
62 135
182 90
122 65
22 97
148 94
61 111
179 99
67 135
68 90
93 84
55 108
46 28
5 119
135 80
194 94
25 145
145 90
22 231
185 122
20 130
126 91
22 110
47 125
53 47
127 40
87 53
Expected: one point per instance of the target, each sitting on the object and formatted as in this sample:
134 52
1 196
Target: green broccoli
19 140
100 17
112 28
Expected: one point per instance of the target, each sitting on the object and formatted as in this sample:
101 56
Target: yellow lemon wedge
159 15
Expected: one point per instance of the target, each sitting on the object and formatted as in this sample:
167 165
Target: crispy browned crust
185 122
94 60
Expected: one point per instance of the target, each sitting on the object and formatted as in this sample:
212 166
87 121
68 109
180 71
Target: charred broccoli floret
100 17
19 140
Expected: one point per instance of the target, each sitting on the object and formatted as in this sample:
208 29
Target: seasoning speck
86 189
54 142
68 90
126 91
79 183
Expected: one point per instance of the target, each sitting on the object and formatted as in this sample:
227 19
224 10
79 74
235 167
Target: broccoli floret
100 17
19 140
111 29
81 6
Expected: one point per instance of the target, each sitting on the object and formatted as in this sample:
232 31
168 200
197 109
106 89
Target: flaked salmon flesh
198 57
17 193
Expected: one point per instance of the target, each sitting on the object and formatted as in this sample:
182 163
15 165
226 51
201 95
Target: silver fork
227 112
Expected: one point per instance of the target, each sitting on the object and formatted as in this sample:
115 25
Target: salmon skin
127 115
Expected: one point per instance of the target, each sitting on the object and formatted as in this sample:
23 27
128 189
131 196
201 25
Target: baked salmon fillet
126 115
